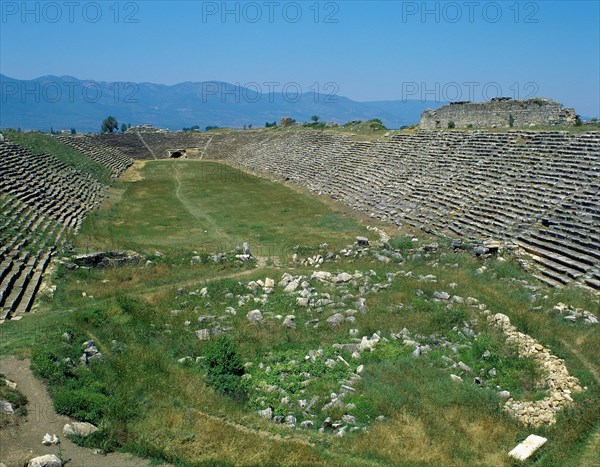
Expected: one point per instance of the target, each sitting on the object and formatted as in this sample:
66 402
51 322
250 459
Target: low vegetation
18 403
163 390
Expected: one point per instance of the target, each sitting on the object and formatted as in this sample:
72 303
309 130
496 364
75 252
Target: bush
451 124
45 364
82 404
376 124
224 367
318 125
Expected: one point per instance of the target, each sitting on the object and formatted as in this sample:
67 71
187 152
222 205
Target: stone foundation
498 113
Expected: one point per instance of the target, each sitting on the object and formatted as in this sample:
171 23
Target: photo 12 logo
270 12
69 12
453 91
53 92
470 12
253 92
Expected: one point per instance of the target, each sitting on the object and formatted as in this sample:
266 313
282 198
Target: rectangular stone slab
525 449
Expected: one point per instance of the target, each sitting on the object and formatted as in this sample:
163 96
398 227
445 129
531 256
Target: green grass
148 403
16 399
40 143
206 207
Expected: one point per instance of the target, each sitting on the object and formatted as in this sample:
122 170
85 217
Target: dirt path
147 147
205 147
591 453
294 437
20 443
196 212
581 357
261 263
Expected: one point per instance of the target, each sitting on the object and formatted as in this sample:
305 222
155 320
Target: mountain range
65 102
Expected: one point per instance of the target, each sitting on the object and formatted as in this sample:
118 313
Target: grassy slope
42 143
429 420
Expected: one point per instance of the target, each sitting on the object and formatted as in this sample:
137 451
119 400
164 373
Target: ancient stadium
300 295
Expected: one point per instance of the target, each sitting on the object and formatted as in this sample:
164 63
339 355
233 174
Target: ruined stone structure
41 200
501 112
536 190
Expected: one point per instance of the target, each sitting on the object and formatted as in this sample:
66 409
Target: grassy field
203 206
151 395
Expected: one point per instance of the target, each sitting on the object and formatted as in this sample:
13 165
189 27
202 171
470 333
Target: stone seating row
108 156
42 198
479 184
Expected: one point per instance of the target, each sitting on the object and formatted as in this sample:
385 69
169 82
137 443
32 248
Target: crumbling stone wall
501 112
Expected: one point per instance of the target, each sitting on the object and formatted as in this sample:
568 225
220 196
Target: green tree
223 367
73 131
109 124
315 118
451 124
511 120
123 128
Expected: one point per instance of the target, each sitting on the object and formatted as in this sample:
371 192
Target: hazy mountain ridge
67 102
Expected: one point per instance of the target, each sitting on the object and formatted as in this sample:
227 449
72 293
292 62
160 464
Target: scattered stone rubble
526 448
575 314
102 259
49 440
82 429
337 306
556 378
90 353
49 460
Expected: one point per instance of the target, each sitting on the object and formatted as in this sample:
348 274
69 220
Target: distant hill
66 102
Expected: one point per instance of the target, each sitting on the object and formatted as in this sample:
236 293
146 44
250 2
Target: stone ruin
42 200
183 153
535 191
500 112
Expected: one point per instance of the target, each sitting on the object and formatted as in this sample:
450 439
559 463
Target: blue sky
375 50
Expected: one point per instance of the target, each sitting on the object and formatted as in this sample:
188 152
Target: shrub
451 124
376 124
224 367
81 404
45 364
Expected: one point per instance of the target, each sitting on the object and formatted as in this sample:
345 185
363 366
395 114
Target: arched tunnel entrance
177 153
